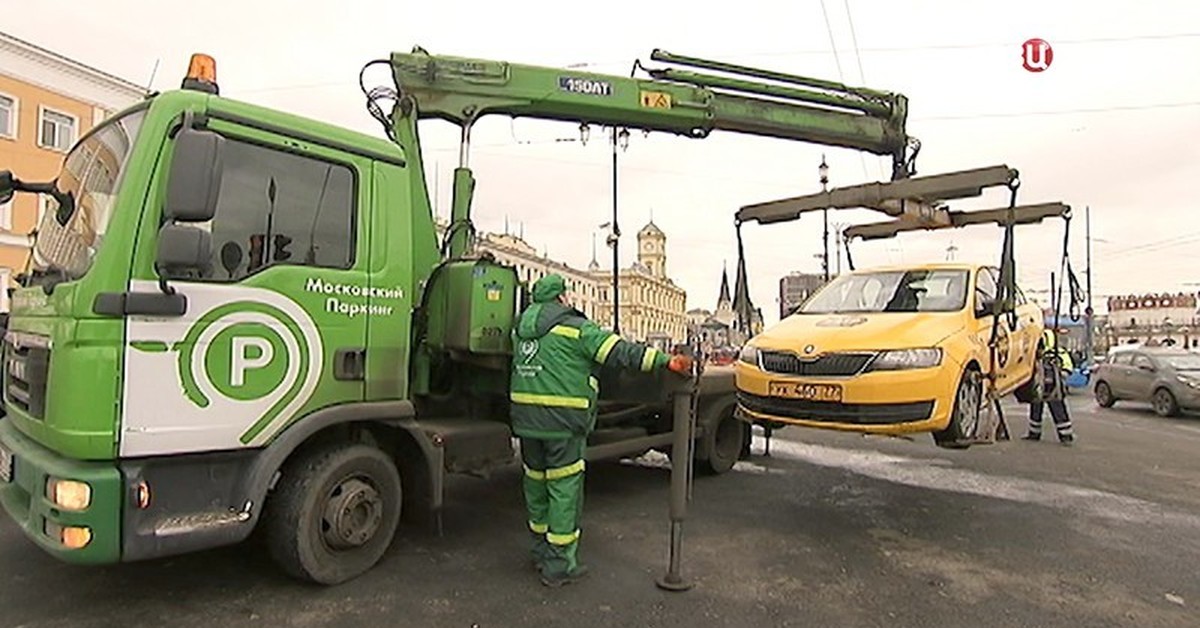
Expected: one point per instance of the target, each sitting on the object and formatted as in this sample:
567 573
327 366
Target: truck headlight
69 494
901 359
749 355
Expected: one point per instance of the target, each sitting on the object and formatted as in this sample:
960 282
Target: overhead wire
862 76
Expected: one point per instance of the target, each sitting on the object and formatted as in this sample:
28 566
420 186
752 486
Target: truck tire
721 446
334 512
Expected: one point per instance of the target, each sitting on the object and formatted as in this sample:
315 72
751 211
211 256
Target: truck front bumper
90 534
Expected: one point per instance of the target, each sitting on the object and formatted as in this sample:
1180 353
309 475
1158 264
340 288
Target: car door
1117 373
1142 373
1026 337
984 296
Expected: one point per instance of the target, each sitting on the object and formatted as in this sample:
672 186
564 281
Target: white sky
1114 123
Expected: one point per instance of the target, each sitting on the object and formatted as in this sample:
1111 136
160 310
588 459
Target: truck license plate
807 392
6 465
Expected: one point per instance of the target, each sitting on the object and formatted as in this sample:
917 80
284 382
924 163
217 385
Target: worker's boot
1031 436
1066 440
558 580
539 551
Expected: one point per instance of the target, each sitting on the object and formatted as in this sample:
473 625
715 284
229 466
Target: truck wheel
722 446
334 513
964 417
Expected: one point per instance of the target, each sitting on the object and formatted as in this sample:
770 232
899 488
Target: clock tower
652 249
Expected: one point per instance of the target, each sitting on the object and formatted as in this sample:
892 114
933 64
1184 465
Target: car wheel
1104 395
964 417
1164 403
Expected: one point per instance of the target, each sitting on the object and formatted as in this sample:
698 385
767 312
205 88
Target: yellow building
47 102
652 308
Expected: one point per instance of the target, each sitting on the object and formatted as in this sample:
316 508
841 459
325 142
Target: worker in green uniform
557 353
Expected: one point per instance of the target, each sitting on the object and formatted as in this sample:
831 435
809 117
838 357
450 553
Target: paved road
832 530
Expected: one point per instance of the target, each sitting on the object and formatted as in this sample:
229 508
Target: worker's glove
681 364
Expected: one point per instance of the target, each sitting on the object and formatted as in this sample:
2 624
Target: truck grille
833 364
26 369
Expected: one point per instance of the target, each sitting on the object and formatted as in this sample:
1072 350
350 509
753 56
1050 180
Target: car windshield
91 175
1184 362
891 291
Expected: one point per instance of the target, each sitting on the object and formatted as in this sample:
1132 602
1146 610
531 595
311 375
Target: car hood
851 332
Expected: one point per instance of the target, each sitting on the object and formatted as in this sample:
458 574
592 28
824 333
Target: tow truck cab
214 272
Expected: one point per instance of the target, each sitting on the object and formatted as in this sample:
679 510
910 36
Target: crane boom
687 103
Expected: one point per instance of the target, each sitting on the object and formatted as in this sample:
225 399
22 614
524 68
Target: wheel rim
352 515
1162 402
967 407
1102 393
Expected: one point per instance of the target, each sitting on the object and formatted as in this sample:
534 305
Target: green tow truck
239 319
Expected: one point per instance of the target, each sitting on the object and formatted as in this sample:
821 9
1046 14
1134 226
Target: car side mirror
183 251
984 307
7 186
194 181
1146 367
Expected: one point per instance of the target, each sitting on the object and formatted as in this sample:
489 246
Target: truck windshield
891 291
91 176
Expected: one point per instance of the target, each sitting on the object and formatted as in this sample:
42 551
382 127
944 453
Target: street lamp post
619 137
1089 313
823 171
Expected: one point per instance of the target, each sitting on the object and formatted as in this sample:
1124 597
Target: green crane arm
687 103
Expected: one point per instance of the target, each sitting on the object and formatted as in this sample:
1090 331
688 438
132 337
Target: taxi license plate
6 465
807 392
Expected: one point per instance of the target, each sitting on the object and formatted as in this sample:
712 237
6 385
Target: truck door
275 327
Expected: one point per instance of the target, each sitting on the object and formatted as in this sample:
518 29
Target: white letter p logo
241 361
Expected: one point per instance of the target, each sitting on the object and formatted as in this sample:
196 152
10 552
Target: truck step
470 445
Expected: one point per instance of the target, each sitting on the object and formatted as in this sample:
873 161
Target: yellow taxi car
891 350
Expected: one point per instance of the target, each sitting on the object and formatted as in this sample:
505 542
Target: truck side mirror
195 178
7 186
183 250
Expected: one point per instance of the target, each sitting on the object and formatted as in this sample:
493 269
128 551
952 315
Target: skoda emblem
809 349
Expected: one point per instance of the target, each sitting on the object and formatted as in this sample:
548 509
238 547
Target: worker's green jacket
557 353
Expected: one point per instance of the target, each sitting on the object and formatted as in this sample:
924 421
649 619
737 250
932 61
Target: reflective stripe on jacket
557 353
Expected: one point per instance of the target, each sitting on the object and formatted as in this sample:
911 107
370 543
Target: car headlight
749 355
906 359
1190 382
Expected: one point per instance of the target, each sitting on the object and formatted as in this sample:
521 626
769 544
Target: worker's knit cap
548 288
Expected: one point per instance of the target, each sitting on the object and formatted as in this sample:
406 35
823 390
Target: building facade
652 306
1153 319
652 309
794 288
719 330
47 102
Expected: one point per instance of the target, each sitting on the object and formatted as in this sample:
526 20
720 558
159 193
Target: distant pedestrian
1050 390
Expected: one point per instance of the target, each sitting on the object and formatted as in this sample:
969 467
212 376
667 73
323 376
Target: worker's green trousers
554 500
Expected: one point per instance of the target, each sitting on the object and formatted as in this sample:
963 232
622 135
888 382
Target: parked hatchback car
1166 377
